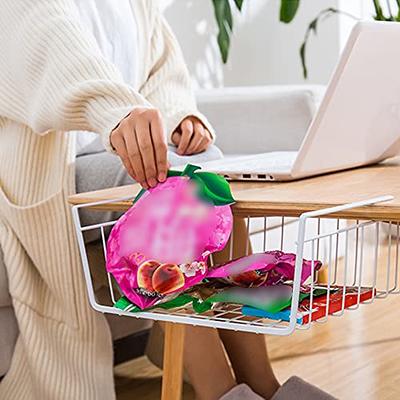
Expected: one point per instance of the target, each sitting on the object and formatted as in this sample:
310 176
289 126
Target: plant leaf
303 60
312 27
239 4
288 10
223 16
397 17
378 11
223 44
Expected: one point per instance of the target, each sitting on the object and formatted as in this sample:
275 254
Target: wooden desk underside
294 198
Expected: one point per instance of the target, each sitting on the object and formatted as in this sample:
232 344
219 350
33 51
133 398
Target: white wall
263 50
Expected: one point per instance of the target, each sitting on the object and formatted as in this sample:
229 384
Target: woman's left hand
191 137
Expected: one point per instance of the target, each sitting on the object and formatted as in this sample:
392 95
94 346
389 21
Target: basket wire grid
351 253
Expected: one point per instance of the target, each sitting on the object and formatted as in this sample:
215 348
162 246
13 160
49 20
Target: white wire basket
360 259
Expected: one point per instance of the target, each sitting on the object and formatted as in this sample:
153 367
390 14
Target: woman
113 68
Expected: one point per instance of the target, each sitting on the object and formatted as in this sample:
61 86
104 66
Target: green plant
223 16
288 10
324 14
224 19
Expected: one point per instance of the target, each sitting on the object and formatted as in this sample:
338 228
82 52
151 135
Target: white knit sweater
53 79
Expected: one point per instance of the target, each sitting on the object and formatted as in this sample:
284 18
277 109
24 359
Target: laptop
357 123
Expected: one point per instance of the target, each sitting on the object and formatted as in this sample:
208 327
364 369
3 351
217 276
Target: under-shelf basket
360 257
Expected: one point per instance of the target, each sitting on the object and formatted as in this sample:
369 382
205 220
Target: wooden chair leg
173 361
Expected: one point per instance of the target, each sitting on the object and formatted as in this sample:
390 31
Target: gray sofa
247 120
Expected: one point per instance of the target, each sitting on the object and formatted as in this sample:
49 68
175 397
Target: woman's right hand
140 142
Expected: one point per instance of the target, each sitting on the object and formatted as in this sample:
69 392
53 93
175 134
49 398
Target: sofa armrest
260 118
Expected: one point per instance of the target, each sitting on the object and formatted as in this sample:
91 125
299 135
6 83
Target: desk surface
294 198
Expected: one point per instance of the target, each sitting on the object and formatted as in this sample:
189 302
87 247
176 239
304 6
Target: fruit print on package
160 246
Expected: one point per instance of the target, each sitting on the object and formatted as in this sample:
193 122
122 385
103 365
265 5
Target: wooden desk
269 199
294 198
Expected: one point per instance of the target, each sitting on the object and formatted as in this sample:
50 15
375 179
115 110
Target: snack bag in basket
160 246
263 269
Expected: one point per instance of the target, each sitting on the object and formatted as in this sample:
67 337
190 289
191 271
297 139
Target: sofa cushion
260 118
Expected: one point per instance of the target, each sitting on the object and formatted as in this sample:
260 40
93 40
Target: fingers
193 138
197 138
176 138
135 143
203 143
119 145
208 139
201 139
187 132
160 149
140 142
147 151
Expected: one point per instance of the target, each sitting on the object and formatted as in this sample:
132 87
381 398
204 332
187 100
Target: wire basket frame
351 253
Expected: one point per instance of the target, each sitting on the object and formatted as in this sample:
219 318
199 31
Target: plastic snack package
325 302
271 299
160 246
268 298
282 314
263 269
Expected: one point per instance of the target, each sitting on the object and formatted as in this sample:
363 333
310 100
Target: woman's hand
140 142
191 137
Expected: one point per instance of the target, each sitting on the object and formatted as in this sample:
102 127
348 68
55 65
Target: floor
355 356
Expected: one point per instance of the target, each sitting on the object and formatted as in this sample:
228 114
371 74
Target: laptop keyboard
281 161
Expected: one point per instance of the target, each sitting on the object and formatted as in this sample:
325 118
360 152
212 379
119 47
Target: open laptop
357 123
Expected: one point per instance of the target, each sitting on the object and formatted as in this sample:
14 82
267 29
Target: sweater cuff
172 122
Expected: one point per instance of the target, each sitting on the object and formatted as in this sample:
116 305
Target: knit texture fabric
53 79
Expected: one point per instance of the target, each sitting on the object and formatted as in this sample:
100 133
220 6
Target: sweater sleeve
52 73
173 95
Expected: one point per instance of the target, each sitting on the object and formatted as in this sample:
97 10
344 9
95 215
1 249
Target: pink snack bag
263 269
160 246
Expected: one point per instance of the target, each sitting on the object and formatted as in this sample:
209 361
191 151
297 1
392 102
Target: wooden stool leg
173 361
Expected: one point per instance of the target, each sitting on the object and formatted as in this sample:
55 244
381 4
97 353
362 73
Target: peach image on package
167 278
145 275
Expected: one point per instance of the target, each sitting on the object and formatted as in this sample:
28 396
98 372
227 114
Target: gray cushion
259 119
